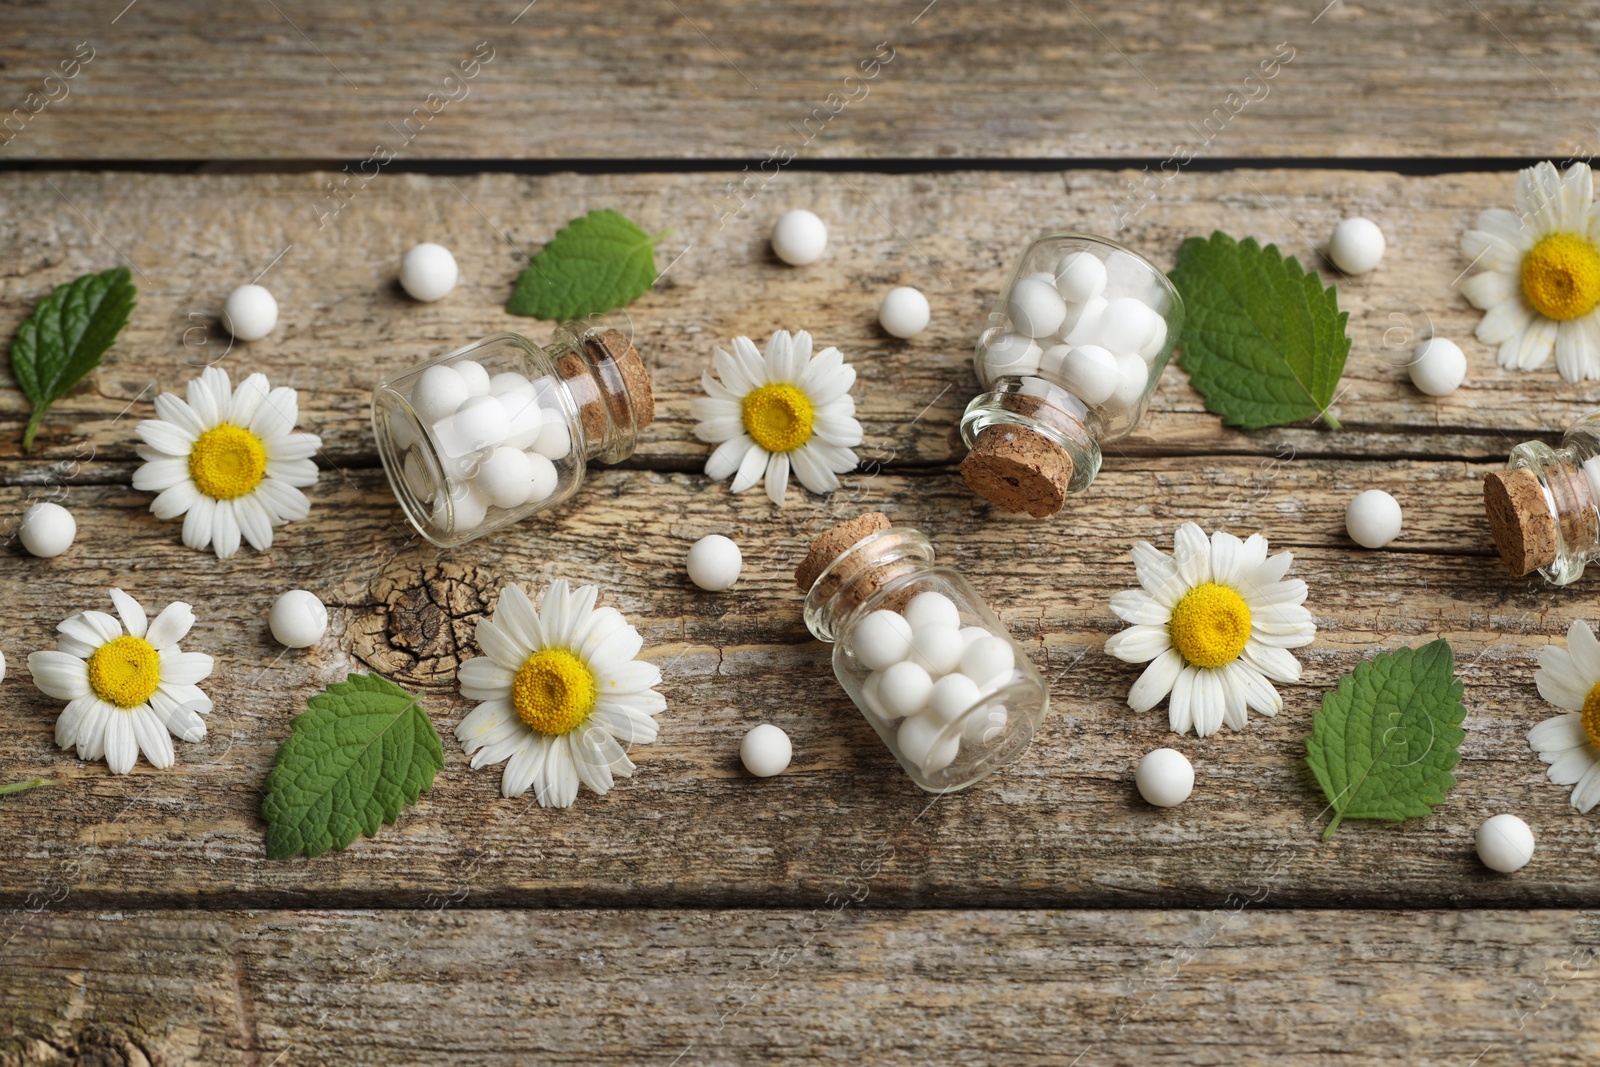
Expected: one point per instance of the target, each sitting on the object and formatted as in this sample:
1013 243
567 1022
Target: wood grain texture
723 79
837 983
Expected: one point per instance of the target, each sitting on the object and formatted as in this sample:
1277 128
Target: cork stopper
1018 470
598 408
833 543
1530 525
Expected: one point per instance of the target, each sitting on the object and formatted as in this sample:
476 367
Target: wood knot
421 621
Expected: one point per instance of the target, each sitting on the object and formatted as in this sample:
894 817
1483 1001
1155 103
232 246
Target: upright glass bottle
1069 356
931 668
489 434
1544 508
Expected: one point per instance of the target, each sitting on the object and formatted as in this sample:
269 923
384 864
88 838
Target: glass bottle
1544 508
489 434
1068 359
932 669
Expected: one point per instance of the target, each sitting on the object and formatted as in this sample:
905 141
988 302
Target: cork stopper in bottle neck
611 387
851 564
1018 462
1534 522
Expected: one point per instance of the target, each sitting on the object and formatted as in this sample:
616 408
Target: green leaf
595 263
64 338
1263 341
1384 742
363 750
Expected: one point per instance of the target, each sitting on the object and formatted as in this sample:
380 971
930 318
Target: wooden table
835 914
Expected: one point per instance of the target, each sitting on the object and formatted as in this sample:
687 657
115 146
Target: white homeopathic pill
714 563
1505 843
1165 777
924 741
438 392
428 272
765 751
250 313
1372 519
903 689
2 666
951 696
1080 276
1011 354
473 375
47 529
1126 325
903 312
882 639
988 659
298 619
480 422
1133 374
1091 373
554 440
931 606
545 477
1082 323
1438 366
1035 308
799 238
937 647
1357 245
506 477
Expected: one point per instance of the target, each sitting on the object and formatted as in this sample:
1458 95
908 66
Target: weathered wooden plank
344 321
836 983
784 78
1065 825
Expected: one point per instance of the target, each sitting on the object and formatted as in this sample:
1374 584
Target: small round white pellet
924 741
799 238
984 725
479 423
461 508
1165 777
937 647
1053 361
903 312
1126 325
524 417
931 606
250 313
437 393
1082 324
2 666
987 659
473 375
1091 374
765 751
1011 354
1505 843
428 272
1133 375
970 634
509 381
298 619
545 477
47 530
554 440
952 695
1035 308
1357 245
1438 366
882 639
1158 340
1080 276
506 477
714 563
1372 519
903 689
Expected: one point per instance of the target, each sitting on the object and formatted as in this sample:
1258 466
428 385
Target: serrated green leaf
1385 740
1263 341
595 263
361 751
65 337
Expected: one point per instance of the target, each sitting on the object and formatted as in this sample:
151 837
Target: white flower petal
277 414
181 720
1569 767
294 446
255 523
197 522
481 678
732 374
70 719
188 696
247 399
151 736
300 473
500 646
59 675
1491 289
751 468
159 475
173 409
185 668
1180 705
134 619
1586 794
1156 681
524 766
1139 607
1192 551
486 721
1276 663
91 739
1206 703
166 437
224 530
776 361
171 626
1558 733
560 786
590 749
811 471
728 456
175 501
1139 644
777 477
122 748
282 501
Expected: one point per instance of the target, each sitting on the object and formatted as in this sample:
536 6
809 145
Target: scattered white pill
1035 308
1505 843
1091 374
250 313
2 666
1083 328
479 423
882 639
1158 340
1080 276
970 634
988 659
1438 366
545 477
461 508
799 238
473 375
937 647
428 272
952 696
1165 777
714 563
903 689
1126 325
903 312
1011 354
438 392
298 619
1133 374
554 440
1372 519
506 477
1357 245
924 741
930 607
525 419
47 529
765 751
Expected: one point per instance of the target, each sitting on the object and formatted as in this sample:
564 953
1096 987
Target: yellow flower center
778 416
1591 715
125 671
554 691
1561 276
227 462
1210 625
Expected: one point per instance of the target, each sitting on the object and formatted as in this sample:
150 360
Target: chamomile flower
1569 678
561 693
1215 621
228 461
1541 289
129 687
786 409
